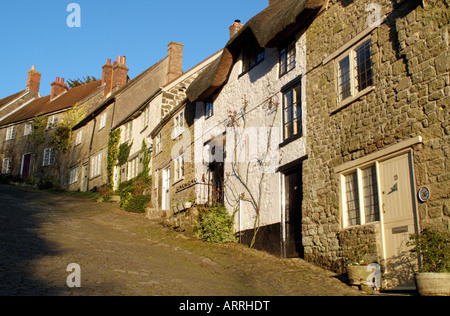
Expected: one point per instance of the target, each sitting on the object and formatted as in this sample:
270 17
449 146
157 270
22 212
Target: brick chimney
107 76
58 88
119 74
175 53
235 27
34 80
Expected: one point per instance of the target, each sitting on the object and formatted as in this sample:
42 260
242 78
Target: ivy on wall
113 154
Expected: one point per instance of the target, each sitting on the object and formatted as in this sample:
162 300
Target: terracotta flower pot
433 284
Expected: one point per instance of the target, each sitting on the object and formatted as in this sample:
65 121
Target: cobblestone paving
125 254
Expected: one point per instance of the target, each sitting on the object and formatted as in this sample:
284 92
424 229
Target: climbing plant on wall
113 154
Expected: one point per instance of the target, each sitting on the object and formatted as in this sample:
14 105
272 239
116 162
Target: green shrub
433 247
216 225
137 204
134 193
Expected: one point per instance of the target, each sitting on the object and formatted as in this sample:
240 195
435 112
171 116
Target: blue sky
36 33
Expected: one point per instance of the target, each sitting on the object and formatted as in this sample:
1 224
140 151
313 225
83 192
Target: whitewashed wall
256 87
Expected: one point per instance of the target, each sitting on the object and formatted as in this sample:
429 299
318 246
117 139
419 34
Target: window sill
290 139
362 225
249 69
146 126
344 103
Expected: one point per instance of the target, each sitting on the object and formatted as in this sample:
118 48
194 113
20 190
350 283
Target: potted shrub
433 249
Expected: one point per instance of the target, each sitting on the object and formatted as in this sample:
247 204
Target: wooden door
398 221
26 163
293 214
166 190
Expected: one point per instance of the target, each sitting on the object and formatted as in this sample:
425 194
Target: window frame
96 165
285 59
11 133
52 122
6 165
209 109
361 196
158 145
28 129
290 88
79 137
179 168
252 55
354 92
178 121
49 157
73 175
102 121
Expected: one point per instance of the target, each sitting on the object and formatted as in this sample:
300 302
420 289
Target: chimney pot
58 88
235 27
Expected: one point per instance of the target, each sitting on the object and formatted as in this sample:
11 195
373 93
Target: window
133 168
79 138
6 166
11 133
287 59
252 55
49 157
146 116
127 131
73 176
52 122
96 165
209 109
158 143
355 71
102 121
28 129
361 197
292 111
179 168
178 125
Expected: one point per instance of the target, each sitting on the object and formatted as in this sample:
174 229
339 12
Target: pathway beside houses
121 253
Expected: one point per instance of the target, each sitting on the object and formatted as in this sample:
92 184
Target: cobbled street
125 254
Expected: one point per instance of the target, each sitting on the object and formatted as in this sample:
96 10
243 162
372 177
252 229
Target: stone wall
410 98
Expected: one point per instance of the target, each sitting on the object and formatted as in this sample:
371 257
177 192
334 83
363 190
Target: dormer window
287 59
253 54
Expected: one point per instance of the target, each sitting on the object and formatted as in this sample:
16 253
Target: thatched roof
270 27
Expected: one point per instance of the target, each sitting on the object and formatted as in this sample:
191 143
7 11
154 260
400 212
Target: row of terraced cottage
321 124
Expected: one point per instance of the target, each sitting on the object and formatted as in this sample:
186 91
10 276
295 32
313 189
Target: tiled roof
44 106
10 98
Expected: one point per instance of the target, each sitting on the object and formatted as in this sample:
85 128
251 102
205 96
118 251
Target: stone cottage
377 120
173 169
24 157
123 97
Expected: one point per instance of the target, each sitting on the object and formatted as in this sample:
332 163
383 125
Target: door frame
22 164
288 169
165 196
414 203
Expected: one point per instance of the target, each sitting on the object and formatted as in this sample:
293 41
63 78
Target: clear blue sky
36 33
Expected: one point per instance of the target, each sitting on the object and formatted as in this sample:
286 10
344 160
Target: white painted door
84 178
398 221
166 190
